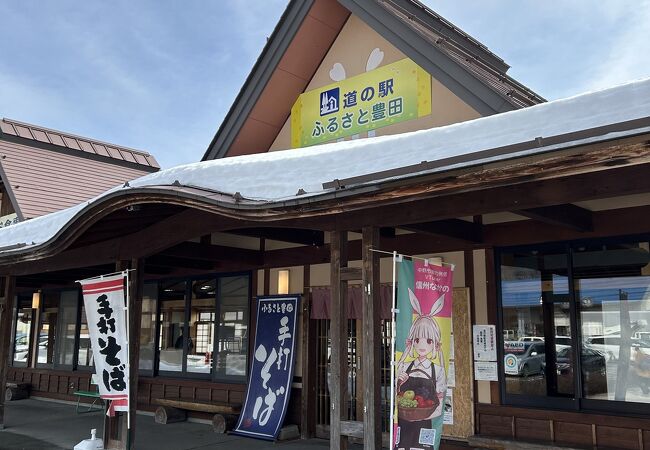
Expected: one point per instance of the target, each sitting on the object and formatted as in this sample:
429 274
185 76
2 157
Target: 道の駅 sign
105 312
390 94
269 381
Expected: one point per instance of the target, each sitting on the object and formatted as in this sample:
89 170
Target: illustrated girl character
426 379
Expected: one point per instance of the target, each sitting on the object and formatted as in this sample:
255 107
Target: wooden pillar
136 289
338 338
6 308
371 365
309 363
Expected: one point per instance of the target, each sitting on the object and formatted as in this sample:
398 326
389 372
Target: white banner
106 315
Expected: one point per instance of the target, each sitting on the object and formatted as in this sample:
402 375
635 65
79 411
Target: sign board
484 342
269 381
390 94
486 371
511 364
106 315
9 219
422 348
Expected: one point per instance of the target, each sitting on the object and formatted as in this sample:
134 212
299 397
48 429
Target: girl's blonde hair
425 326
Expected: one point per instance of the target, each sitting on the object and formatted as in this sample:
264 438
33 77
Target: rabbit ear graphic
437 306
415 302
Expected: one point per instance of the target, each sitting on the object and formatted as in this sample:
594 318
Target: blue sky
161 75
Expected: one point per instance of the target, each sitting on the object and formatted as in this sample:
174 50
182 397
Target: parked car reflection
530 356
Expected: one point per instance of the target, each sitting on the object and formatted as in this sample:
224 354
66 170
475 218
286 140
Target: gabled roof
45 170
304 35
276 184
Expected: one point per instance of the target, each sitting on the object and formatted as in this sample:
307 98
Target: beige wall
351 49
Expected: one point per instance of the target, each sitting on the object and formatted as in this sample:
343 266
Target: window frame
578 402
184 373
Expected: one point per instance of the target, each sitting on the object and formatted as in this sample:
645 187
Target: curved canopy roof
273 183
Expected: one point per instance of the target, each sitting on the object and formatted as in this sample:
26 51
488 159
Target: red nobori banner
105 312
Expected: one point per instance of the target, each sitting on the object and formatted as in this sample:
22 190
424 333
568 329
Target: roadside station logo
329 101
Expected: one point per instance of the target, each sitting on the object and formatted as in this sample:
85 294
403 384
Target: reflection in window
172 324
535 299
201 326
85 352
232 335
613 285
47 328
23 332
67 327
148 326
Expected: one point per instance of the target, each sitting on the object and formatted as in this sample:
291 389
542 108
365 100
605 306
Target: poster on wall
485 342
105 312
389 94
422 347
271 372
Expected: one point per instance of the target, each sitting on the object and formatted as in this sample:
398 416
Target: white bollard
90 444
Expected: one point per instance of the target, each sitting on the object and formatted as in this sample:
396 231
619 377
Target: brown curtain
321 301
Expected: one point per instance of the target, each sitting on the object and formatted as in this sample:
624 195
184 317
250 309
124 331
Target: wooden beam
6 310
176 262
309 362
212 252
453 228
292 235
371 366
136 290
338 338
568 215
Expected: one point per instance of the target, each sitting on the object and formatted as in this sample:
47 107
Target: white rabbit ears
435 309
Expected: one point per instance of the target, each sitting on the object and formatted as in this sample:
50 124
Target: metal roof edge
260 74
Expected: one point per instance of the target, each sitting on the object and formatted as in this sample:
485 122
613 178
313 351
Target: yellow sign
393 93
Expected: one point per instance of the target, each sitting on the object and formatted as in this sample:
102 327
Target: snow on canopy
276 176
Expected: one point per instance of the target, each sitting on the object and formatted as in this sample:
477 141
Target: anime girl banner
422 344
269 380
106 315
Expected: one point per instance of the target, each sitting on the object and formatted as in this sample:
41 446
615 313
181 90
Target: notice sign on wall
485 342
269 381
389 94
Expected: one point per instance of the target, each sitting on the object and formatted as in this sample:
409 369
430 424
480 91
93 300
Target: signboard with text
105 312
389 94
271 374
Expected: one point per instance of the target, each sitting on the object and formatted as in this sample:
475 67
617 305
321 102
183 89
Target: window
203 328
22 332
67 328
575 322
85 351
148 328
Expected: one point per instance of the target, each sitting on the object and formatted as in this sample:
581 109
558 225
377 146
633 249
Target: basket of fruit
412 408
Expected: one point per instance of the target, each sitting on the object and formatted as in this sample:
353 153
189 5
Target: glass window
613 284
85 352
201 326
172 326
67 327
535 319
47 327
148 327
22 331
585 339
232 335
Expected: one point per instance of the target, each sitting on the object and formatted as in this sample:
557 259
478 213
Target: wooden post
338 339
135 313
309 363
6 309
371 366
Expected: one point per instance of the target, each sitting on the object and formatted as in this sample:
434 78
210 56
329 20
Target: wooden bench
16 391
175 410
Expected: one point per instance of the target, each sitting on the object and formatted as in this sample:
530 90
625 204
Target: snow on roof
277 176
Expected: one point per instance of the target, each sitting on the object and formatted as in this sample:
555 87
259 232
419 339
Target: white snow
275 176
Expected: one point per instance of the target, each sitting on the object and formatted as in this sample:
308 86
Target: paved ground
41 425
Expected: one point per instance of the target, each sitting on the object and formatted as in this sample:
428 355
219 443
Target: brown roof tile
71 141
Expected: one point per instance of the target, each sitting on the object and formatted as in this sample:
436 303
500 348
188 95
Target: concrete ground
43 425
